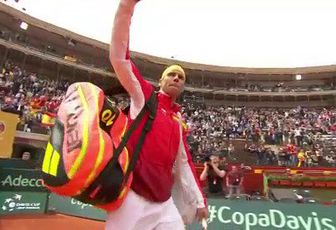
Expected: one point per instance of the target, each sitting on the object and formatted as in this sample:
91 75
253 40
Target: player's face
173 84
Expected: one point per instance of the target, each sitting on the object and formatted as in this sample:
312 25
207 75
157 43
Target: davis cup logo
2 127
10 203
17 203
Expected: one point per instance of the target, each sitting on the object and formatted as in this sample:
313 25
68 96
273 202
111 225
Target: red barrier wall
253 179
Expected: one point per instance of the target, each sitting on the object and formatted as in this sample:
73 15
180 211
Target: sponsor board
12 179
259 215
71 206
22 202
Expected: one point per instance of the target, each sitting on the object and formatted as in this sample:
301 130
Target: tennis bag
86 157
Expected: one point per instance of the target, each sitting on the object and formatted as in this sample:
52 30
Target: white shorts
137 213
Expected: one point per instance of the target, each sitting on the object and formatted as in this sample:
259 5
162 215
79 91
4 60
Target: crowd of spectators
290 137
34 99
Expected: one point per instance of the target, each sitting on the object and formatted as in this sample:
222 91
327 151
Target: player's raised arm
125 70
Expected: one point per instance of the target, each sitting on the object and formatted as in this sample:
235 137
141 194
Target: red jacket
152 177
164 158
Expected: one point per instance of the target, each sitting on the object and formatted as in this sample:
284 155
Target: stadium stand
258 117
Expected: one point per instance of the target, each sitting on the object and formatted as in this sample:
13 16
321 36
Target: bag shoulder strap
151 107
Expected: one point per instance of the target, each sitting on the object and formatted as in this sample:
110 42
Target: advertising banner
71 206
12 179
22 202
8 122
258 215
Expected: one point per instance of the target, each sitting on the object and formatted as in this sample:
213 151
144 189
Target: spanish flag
48 119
